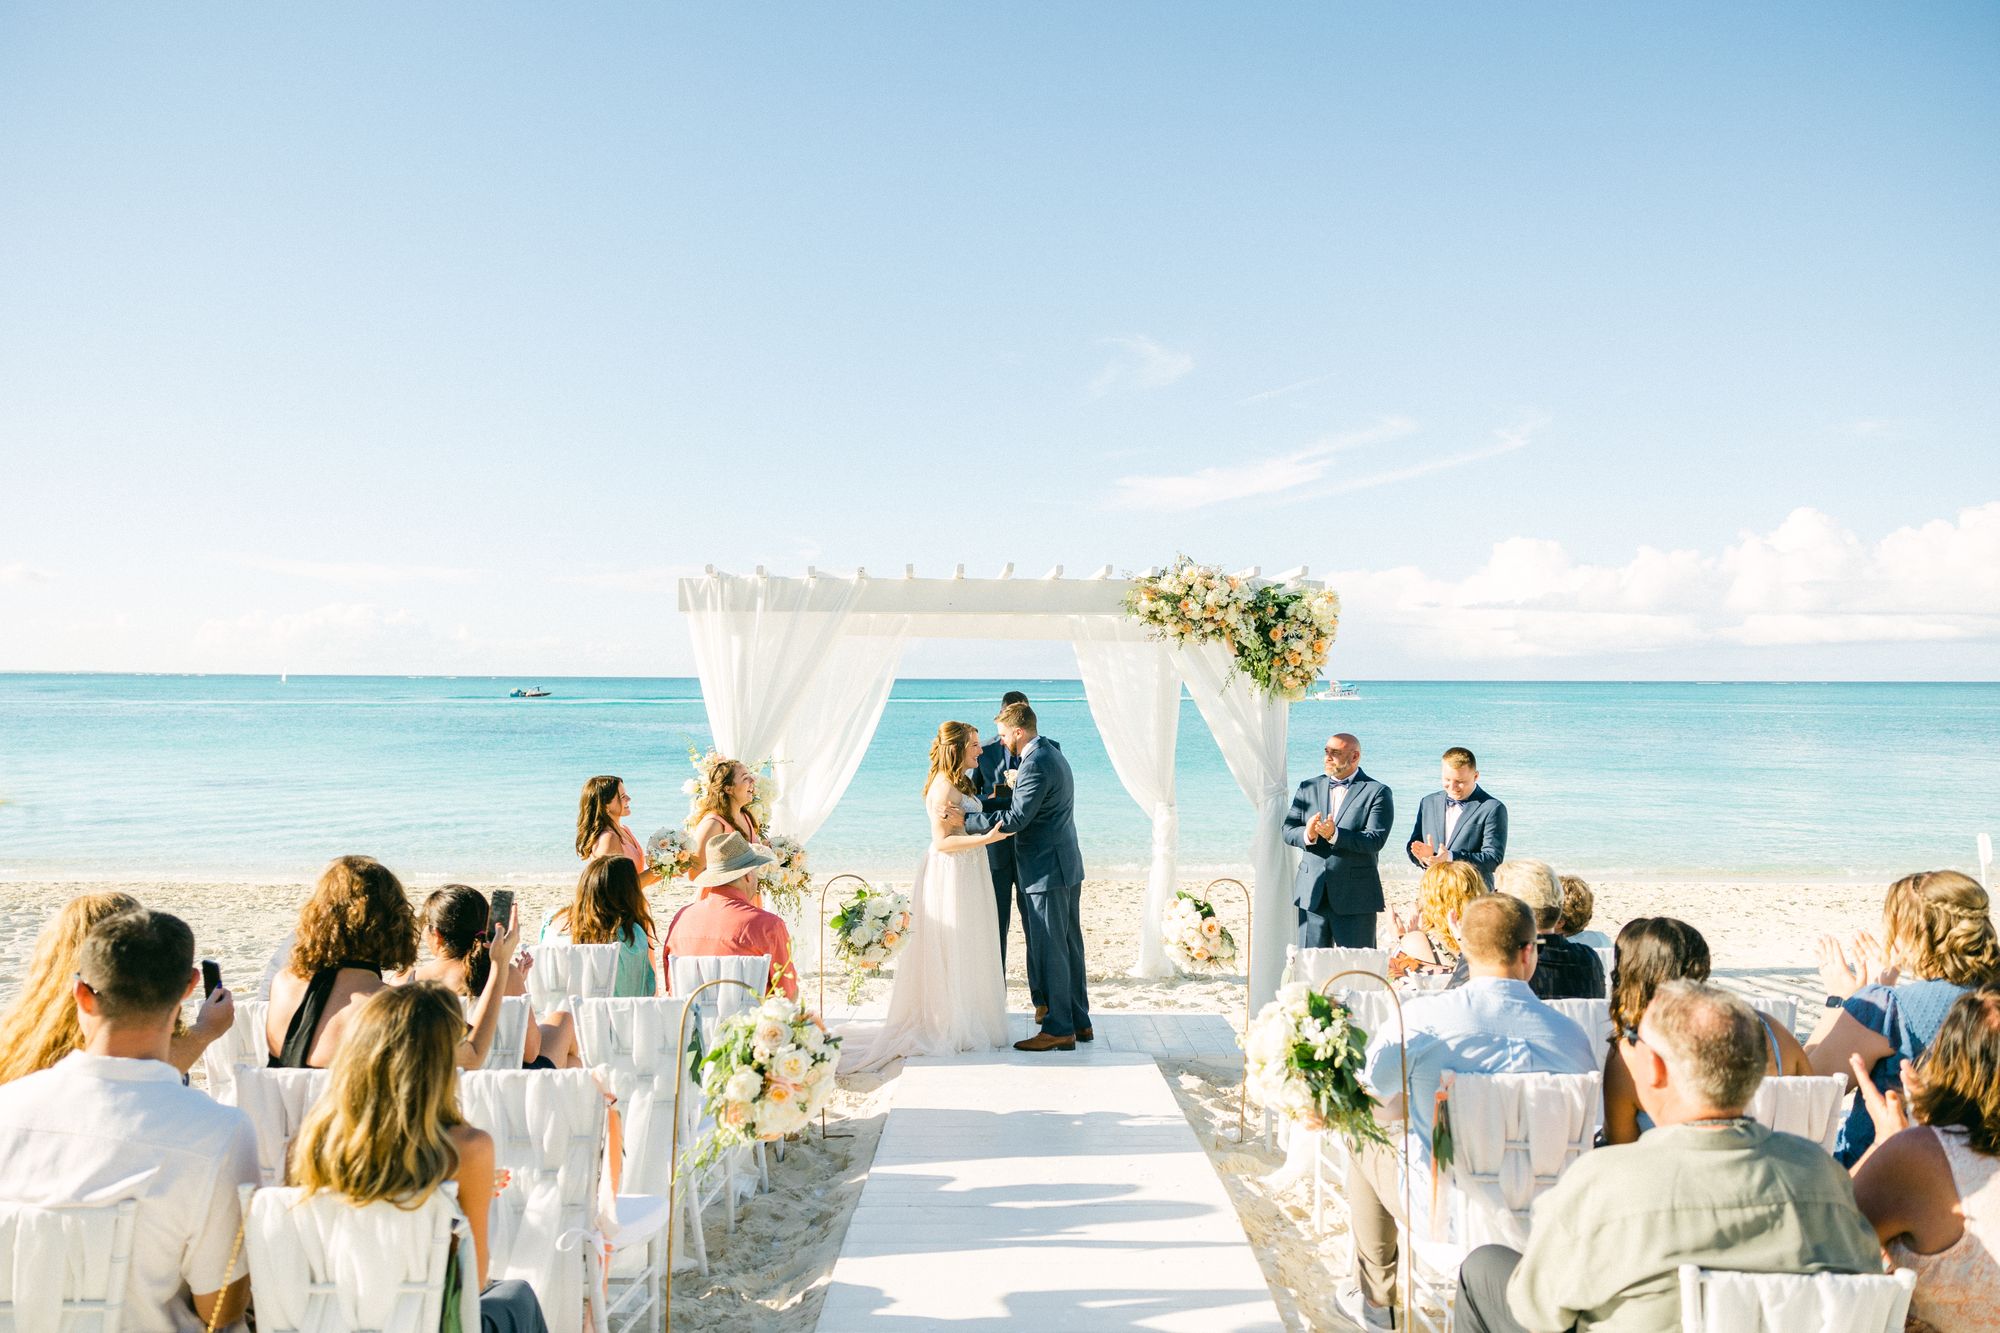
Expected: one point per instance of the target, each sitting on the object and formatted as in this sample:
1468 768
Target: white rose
779 1008
791 1064
769 1036
743 1086
812 1038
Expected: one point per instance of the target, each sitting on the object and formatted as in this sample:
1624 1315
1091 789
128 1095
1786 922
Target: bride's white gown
949 993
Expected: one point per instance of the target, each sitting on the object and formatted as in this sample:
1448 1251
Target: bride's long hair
945 757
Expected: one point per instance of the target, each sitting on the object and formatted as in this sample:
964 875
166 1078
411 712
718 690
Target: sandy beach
769 1274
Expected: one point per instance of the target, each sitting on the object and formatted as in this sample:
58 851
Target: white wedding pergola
798 670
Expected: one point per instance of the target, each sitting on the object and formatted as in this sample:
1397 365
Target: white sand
770 1274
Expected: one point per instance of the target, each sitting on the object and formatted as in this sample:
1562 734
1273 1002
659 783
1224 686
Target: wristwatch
1835 1001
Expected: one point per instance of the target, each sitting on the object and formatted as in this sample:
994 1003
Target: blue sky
1568 340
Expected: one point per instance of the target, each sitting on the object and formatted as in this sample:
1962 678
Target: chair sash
1722 1302
1810 1106
1513 1136
322 1264
64 1270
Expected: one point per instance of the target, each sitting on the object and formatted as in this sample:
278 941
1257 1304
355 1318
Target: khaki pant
1374 1206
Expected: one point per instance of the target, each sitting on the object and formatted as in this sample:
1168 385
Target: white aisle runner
1043 1192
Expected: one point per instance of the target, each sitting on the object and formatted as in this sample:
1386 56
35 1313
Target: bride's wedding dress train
950 992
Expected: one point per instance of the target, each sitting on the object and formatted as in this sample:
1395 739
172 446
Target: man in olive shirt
1708 1186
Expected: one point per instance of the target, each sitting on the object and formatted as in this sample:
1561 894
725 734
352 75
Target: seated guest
455 929
41 1026
1710 1186
389 1127
1429 940
356 926
1653 950
1579 905
1491 1025
1932 1189
1888 1002
112 1121
609 908
1565 971
725 920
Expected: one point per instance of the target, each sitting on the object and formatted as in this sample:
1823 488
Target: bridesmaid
601 831
727 790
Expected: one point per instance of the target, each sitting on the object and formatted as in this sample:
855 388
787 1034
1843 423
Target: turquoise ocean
258 779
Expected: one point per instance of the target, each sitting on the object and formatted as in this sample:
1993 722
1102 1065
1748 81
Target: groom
997 767
1041 817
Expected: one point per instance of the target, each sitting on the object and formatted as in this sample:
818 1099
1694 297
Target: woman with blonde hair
950 992
726 805
608 908
389 1128
1886 1004
1429 939
356 926
40 1025
600 826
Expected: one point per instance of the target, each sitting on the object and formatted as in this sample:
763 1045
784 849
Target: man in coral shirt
725 921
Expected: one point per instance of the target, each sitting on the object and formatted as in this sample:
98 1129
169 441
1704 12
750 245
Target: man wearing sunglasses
1340 821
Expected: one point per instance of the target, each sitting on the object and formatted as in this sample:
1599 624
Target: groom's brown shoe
1045 1041
1085 1034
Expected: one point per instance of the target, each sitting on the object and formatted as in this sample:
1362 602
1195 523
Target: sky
1564 341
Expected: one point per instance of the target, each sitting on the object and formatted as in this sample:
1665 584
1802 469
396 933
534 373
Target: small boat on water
1335 690
537 693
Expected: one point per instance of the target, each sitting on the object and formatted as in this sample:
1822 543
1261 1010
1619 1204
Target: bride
950 992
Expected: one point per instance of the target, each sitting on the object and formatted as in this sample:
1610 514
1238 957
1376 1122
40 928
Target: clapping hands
1889 1110
1869 966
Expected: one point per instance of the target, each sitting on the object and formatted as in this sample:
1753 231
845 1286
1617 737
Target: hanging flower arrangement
1195 938
785 884
1303 1060
1278 636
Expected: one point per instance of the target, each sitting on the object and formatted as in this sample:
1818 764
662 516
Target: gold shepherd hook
1407 1261
823 955
1249 947
674 1137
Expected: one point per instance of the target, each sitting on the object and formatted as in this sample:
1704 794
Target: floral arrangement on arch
696 787
785 884
1303 1059
1196 940
671 852
1278 636
770 1070
870 928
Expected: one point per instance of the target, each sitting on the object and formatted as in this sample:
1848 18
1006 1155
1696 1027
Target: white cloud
20 571
1284 389
337 637
1138 362
630 578
358 573
1806 582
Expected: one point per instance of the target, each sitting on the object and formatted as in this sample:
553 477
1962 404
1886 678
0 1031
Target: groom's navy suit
1480 839
1042 818
994 760
1338 890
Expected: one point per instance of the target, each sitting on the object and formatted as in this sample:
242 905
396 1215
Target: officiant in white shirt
1340 822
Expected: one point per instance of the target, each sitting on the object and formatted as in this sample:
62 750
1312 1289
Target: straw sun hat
730 857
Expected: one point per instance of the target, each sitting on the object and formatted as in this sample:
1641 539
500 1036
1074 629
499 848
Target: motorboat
537 693
1335 690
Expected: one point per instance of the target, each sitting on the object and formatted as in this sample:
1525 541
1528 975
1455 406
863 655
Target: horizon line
519 678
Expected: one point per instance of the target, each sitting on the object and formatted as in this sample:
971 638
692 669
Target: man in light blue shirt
1493 1024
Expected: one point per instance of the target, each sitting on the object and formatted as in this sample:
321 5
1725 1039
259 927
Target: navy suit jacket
1042 817
993 757
1481 840
1341 878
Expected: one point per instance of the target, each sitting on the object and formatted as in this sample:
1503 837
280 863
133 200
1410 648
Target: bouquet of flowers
785 884
1195 939
696 790
671 852
1278 636
870 929
1303 1059
1189 603
770 1070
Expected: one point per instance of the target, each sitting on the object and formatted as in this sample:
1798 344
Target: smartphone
211 977
502 908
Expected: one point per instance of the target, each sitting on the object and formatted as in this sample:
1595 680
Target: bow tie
1338 782
1450 804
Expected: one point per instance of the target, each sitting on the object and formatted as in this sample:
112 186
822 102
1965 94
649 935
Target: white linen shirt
97 1129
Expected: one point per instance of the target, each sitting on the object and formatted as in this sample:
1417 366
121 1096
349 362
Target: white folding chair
64 1270
563 970
276 1100
548 1129
276 964
510 1037
634 1046
1713 1301
1313 966
321 1264
244 1044
1780 1009
1594 1017
1986 861
1812 1106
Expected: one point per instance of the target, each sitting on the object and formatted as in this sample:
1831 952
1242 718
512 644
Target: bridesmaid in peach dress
727 790
601 831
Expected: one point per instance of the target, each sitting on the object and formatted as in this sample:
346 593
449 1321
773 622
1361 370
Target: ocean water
239 777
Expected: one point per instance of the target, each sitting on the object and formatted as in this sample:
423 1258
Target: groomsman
1462 822
994 777
1340 820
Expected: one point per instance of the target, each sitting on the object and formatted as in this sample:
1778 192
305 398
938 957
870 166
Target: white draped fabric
1250 729
1135 700
758 643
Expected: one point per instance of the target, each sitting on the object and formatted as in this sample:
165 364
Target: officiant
1340 821
994 775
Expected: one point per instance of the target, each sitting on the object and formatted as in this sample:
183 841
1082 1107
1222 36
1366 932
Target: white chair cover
1608 957
1782 1010
510 1037
548 1130
1314 966
64 1270
244 1044
276 1100
693 971
276 964
1514 1135
325 1265
563 970
1810 1106
1594 1017
1719 1302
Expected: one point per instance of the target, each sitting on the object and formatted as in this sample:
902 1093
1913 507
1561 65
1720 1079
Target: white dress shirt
1452 814
96 1129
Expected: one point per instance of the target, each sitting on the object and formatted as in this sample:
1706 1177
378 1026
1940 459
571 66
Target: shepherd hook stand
824 956
674 1172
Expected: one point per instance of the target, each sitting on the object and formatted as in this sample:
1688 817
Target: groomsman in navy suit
1462 822
1340 820
995 761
